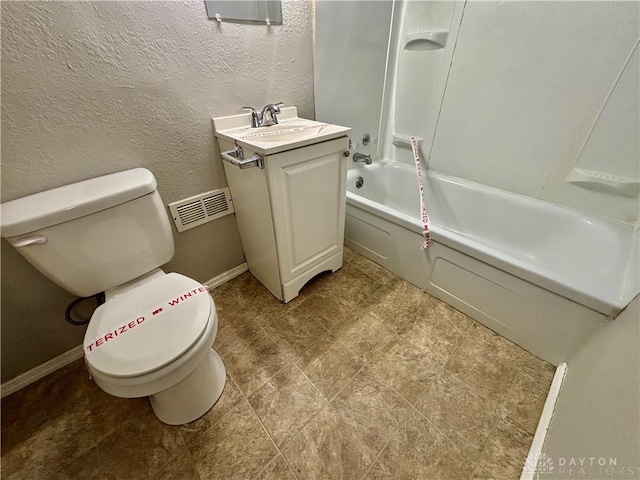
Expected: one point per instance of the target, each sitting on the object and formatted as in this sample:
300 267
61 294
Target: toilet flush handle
31 240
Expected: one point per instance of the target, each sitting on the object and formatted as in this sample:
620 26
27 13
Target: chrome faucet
361 157
268 115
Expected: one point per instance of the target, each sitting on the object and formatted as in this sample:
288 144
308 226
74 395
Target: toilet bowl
154 337
154 334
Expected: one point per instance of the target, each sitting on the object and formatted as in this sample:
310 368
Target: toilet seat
148 327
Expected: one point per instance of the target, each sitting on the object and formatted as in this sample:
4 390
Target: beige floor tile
286 403
226 300
456 318
373 270
329 308
34 445
524 360
237 286
487 363
317 283
480 474
277 470
371 409
418 450
36 448
351 284
65 427
327 448
104 408
296 331
349 255
379 472
396 303
140 448
435 334
329 364
85 467
465 417
268 308
534 366
234 328
230 397
63 387
180 469
526 400
404 367
506 450
362 333
237 447
254 362
264 306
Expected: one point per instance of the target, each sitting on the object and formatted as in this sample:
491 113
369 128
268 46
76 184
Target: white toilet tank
94 235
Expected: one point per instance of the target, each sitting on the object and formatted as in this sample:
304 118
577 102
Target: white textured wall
599 405
93 88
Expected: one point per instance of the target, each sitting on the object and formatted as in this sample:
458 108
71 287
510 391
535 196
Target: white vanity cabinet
291 212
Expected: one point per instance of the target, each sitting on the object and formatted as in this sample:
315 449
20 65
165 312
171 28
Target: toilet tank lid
62 204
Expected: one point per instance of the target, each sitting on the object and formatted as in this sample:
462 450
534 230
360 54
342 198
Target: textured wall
597 411
94 88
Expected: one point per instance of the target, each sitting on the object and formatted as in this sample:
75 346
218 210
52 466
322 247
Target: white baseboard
35 374
535 452
226 276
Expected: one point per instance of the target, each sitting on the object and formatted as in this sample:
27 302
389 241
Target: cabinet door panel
308 193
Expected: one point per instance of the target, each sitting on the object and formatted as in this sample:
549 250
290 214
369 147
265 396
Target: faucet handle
273 107
269 113
255 117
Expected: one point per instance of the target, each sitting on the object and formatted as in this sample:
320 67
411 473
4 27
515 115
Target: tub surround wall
417 75
526 89
505 105
94 88
612 145
348 86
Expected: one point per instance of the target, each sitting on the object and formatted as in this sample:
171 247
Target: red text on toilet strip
140 320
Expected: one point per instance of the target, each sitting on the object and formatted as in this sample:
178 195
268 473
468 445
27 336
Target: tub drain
359 182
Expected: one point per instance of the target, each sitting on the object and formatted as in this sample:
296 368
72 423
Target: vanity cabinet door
308 196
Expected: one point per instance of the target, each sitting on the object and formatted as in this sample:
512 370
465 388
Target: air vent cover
203 208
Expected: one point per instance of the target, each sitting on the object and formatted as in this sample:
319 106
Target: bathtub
542 275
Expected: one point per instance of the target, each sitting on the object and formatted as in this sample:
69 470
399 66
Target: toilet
153 336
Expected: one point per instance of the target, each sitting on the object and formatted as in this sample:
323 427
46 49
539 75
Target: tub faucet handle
361 157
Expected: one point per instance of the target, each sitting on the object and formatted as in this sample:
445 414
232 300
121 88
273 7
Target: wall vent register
203 208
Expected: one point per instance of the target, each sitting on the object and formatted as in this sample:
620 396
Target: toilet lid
144 329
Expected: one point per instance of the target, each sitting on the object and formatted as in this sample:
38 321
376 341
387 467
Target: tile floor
361 376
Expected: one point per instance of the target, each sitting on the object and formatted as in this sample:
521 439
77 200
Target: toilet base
193 396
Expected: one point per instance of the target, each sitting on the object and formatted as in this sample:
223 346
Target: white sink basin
291 132
284 132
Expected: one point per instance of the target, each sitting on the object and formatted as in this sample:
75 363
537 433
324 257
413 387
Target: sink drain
359 182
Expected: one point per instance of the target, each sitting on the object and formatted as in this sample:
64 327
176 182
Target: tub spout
361 157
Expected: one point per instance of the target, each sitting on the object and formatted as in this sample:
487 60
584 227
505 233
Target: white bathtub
542 275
